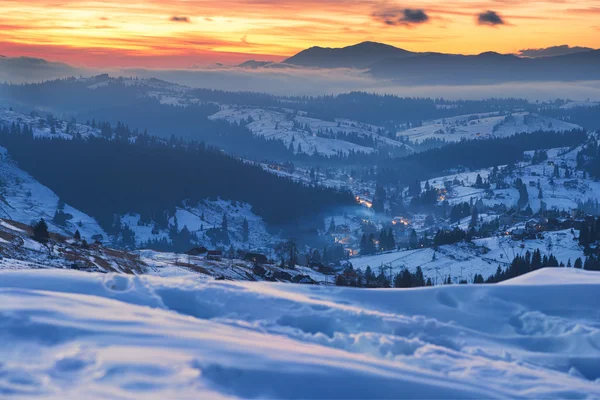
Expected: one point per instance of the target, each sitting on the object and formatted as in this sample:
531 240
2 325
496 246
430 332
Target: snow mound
65 334
556 276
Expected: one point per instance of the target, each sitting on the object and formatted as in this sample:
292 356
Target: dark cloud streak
401 17
490 18
176 18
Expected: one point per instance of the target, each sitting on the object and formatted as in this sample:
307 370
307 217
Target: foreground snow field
71 335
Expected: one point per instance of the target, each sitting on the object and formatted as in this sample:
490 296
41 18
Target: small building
214 255
197 251
572 184
505 220
518 234
535 225
256 258
322 268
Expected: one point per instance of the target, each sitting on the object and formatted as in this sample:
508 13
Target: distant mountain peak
494 54
360 55
253 64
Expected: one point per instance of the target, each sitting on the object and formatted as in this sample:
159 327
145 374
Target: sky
200 33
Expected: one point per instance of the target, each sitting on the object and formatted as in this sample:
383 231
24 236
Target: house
505 220
304 279
197 251
322 268
572 184
256 258
518 234
214 255
535 225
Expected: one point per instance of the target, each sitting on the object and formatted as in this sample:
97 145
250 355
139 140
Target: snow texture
67 334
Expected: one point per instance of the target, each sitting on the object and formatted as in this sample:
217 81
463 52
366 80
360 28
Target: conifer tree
245 230
40 231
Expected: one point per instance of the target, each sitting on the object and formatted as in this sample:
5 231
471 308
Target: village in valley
457 224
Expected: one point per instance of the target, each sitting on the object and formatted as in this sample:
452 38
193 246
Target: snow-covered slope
74 335
561 193
24 199
555 276
41 125
484 125
19 251
301 131
579 104
200 218
464 260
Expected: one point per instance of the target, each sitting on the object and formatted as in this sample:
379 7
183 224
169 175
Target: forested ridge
149 176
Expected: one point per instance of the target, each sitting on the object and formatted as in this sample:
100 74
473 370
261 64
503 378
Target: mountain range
389 62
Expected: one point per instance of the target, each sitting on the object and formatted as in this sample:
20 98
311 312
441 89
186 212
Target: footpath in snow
67 334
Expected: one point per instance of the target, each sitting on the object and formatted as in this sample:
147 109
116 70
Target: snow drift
67 334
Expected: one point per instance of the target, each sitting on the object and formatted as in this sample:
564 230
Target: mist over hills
371 67
31 69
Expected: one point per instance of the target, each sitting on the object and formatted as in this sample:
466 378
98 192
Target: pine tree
224 223
332 226
369 277
391 244
245 230
40 231
536 260
478 181
371 244
363 244
413 241
382 240
419 279
77 235
474 218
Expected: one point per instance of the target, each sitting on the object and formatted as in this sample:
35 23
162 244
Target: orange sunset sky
187 33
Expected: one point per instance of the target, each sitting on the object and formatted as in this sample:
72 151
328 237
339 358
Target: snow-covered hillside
579 104
42 125
301 131
561 192
74 335
475 126
19 251
24 199
199 219
464 260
